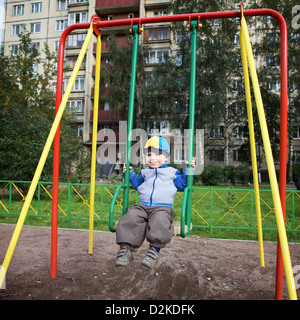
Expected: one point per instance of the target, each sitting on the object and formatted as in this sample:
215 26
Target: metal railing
212 207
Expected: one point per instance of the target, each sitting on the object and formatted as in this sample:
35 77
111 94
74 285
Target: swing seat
177 228
175 224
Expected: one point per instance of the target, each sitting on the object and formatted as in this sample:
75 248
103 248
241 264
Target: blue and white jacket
158 187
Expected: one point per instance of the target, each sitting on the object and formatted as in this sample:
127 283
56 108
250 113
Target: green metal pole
194 27
135 32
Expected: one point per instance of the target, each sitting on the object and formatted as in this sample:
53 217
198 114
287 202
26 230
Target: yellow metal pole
253 151
42 160
271 167
94 143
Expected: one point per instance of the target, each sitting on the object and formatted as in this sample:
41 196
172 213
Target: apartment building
46 19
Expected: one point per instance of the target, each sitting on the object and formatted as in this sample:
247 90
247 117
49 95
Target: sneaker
151 258
124 257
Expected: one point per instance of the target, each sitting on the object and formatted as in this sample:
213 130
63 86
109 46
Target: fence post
251 209
39 197
69 203
293 210
10 196
211 209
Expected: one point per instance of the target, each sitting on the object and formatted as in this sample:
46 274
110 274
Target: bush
242 172
212 174
229 174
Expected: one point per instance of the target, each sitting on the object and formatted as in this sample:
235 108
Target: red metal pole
283 146
56 146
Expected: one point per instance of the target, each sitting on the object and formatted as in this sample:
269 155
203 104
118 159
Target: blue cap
159 143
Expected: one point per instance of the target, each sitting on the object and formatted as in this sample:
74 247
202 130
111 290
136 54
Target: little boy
151 218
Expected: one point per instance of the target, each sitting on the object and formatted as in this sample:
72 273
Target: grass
219 212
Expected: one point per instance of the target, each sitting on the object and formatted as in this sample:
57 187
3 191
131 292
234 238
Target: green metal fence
212 207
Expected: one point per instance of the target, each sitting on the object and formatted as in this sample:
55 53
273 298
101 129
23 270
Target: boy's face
155 160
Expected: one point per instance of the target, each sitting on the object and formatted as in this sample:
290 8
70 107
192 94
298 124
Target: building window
158 127
78 17
36 7
296 132
35 27
79 84
71 61
272 38
62 4
158 34
106 106
76 40
238 133
164 127
216 132
17 29
273 62
216 155
237 85
274 85
178 60
15 49
61 25
158 56
180 36
35 68
236 40
80 131
76 106
238 110
160 13
36 46
77 1
296 156
180 155
56 46
18 10
235 155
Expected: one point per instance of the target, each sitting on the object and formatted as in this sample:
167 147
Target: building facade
46 19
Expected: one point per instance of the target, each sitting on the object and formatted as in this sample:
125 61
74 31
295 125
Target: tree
27 113
116 74
217 66
268 50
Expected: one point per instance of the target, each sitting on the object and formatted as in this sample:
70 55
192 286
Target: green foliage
242 172
27 112
229 174
212 175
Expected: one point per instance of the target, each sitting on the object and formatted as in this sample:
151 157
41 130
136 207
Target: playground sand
188 269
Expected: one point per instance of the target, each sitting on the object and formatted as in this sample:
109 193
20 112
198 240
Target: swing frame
61 100
98 25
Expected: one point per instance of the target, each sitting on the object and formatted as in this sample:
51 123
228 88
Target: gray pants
142 222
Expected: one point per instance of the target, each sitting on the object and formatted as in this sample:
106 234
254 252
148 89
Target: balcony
117 135
121 41
109 115
157 4
113 6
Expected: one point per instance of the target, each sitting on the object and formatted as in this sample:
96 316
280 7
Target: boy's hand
193 163
124 168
